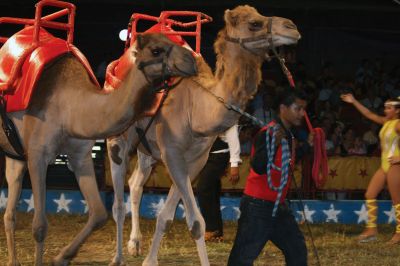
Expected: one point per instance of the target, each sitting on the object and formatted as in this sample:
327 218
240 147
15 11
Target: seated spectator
358 148
336 138
265 112
371 139
371 101
348 141
246 133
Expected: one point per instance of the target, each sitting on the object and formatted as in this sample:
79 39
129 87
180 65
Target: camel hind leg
137 180
117 149
84 172
14 173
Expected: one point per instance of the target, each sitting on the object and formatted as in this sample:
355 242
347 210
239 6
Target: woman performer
389 171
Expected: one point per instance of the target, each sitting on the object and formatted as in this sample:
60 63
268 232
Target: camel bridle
166 70
243 42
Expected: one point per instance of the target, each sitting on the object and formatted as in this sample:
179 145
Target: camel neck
236 79
104 115
241 74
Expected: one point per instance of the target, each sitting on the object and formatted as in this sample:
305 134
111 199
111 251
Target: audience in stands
347 132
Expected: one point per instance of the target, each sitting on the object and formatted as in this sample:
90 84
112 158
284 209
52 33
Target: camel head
255 32
160 58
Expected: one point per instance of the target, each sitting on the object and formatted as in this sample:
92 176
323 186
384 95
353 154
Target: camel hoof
13 263
195 231
150 262
117 262
134 248
59 261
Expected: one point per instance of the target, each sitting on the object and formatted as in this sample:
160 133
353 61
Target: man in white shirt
225 149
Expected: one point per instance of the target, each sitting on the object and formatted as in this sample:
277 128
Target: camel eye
157 51
255 25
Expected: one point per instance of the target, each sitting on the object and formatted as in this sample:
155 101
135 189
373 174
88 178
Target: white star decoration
362 214
3 200
62 203
30 203
308 213
128 208
391 215
183 210
86 206
156 207
332 214
237 211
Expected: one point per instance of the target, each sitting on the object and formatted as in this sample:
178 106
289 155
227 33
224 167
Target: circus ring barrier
346 174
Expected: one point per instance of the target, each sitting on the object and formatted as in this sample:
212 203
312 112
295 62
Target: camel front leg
117 147
37 167
178 169
137 180
84 172
14 174
164 221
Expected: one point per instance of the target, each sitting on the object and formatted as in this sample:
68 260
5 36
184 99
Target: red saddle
21 64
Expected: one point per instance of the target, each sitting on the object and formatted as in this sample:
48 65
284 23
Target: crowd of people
347 131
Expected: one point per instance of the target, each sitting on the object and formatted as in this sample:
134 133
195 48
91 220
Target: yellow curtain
160 178
352 172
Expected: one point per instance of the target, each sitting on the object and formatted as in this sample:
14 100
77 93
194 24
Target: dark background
342 32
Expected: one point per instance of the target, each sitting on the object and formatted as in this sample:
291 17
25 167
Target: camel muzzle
186 65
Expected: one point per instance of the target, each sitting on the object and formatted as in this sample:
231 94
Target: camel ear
231 18
141 41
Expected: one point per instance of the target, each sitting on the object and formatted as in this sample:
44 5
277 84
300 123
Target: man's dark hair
287 97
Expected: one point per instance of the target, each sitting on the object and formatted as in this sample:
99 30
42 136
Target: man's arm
232 138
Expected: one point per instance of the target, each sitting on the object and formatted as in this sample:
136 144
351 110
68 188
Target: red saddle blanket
117 69
19 58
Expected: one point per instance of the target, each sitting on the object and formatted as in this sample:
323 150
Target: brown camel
67 112
190 120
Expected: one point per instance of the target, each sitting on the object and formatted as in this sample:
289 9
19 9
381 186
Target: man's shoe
366 238
215 236
395 239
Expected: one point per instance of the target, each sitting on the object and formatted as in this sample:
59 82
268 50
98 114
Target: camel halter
166 71
261 38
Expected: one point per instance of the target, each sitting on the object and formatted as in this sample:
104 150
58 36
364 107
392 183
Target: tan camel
66 113
190 120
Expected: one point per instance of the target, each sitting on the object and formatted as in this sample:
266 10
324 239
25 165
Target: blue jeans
256 227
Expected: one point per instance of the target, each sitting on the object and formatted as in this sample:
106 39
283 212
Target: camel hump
22 63
117 69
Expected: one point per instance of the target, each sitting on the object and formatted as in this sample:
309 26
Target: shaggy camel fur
190 120
67 112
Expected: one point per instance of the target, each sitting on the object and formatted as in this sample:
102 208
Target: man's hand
234 175
394 160
310 138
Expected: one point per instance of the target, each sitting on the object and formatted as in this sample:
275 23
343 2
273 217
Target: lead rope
320 157
320 163
270 143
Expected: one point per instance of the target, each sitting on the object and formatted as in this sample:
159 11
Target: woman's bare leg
393 180
375 186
